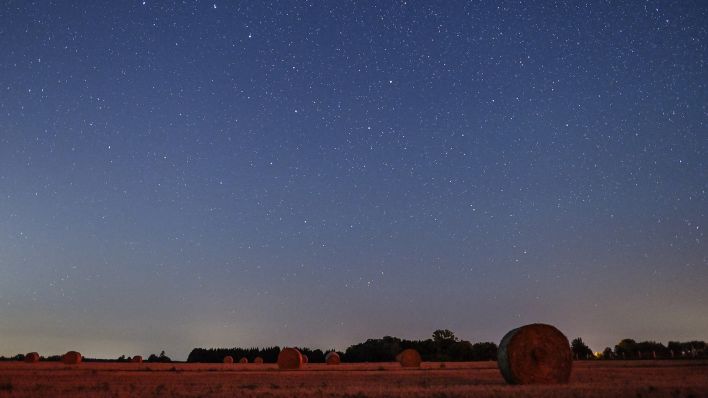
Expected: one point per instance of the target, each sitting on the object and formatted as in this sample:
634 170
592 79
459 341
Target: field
476 379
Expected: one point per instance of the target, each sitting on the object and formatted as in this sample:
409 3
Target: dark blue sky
181 174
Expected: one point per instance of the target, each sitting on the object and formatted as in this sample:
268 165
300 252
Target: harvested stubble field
476 379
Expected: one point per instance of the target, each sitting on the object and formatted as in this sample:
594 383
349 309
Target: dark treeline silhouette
215 355
443 346
18 357
159 358
123 358
630 349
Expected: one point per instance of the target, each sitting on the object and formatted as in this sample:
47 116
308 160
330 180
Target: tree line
629 349
123 358
443 346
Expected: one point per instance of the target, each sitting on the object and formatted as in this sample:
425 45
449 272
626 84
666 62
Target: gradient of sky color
220 173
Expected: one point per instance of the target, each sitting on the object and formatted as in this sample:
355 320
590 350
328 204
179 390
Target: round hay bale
289 358
32 357
243 360
228 359
71 358
258 360
137 359
535 354
305 359
410 358
398 357
332 358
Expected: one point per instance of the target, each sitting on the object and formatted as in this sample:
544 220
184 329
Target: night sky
218 174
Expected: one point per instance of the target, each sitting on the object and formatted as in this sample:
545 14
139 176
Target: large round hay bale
228 359
137 359
258 360
332 358
243 360
289 358
305 359
32 357
71 358
410 358
535 354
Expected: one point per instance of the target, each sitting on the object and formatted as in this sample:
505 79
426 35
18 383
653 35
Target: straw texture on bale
305 359
243 360
332 358
228 359
410 358
71 358
137 359
535 354
289 358
258 360
32 357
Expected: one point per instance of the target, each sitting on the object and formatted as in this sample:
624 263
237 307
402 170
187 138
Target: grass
610 379
6 386
160 389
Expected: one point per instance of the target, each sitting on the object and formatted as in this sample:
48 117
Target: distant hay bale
332 358
71 358
398 357
243 360
305 359
258 360
228 359
289 358
32 357
137 359
410 358
535 354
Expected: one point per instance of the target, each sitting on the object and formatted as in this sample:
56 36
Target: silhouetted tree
459 351
313 356
374 350
652 350
483 352
580 349
159 358
689 349
443 341
216 355
444 336
626 349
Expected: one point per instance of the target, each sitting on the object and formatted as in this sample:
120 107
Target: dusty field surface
477 379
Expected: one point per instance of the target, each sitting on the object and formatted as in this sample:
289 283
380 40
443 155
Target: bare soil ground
637 379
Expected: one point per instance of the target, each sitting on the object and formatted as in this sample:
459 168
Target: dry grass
646 379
